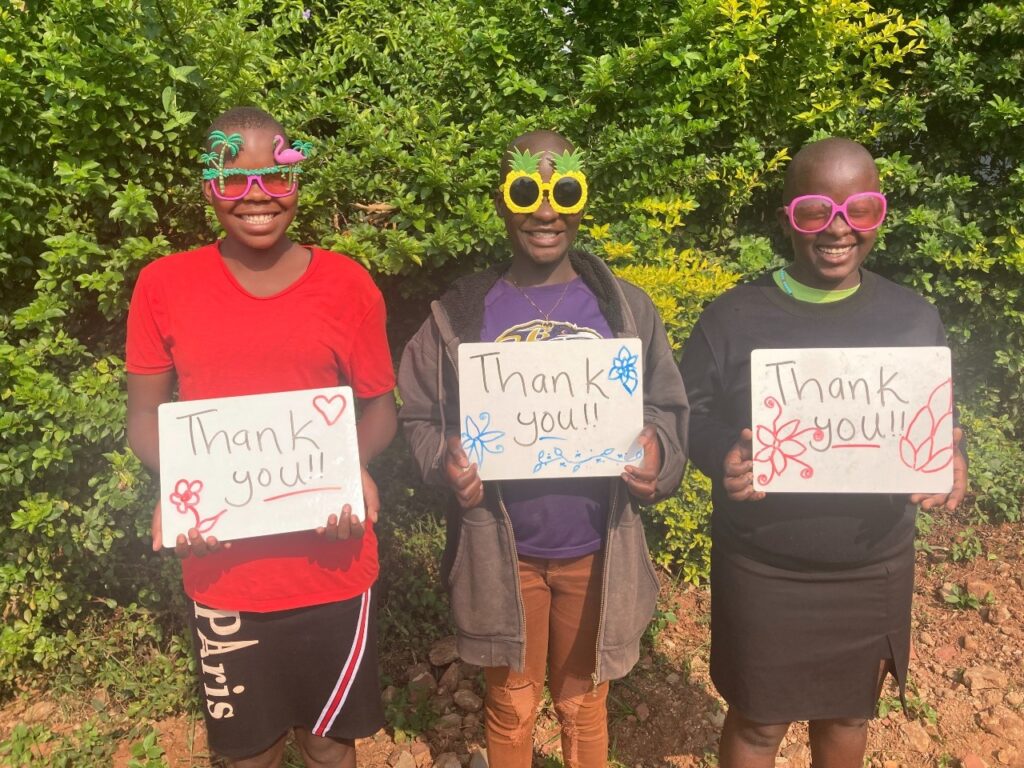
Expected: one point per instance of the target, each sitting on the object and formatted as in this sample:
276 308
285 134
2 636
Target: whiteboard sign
861 420
235 467
551 409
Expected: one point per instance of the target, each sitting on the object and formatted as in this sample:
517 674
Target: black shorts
261 674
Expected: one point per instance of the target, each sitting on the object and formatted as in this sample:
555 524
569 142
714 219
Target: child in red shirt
283 625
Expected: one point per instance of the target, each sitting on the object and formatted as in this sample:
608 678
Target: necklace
545 315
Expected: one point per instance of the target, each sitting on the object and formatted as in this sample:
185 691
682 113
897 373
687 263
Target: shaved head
244 117
812 159
535 141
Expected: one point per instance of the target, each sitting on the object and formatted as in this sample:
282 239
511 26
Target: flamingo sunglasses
235 183
810 214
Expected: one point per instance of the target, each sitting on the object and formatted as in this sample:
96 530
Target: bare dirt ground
966 694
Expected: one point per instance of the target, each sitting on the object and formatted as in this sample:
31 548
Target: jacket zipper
515 569
595 677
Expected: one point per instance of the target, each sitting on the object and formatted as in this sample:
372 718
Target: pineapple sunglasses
523 189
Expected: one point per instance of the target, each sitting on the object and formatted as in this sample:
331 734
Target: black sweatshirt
789 530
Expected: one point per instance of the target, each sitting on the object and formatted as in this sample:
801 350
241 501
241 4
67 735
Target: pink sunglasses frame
837 208
257 177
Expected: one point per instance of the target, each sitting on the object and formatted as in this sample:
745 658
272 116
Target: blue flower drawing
477 438
623 370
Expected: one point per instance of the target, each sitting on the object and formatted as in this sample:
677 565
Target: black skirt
794 645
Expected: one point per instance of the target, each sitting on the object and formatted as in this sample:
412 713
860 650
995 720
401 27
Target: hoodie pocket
632 585
482 584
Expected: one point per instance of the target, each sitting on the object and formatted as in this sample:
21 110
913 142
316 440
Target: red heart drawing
330 408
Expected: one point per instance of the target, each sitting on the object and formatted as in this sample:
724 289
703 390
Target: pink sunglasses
863 211
235 183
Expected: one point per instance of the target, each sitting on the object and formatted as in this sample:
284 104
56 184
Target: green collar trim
797 290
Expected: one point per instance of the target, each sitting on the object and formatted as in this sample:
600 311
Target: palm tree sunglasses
278 180
235 183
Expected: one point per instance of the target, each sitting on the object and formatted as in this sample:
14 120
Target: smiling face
257 221
837 168
542 238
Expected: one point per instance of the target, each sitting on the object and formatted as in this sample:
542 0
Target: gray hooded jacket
480 566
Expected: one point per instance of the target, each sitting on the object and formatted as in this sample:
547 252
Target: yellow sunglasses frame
544 186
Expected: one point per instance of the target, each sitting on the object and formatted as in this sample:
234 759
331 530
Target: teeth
263 218
833 251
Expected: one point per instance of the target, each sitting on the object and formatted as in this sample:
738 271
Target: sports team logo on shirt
547 330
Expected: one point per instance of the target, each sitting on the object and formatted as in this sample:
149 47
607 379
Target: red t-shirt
189 314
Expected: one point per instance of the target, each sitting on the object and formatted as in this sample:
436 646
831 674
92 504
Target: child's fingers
455 453
738 468
746 445
956 494
472 495
741 487
469 488
459 475
647 441
344 527
959 474
329 531
356 528
181 548
641 487
462 476
197 543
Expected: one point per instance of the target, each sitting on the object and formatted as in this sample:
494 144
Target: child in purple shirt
545 574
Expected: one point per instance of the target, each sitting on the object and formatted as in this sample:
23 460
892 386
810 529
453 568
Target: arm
718 449
423 415
952 499
711 434
430 423
374 431
376 427
666 415
145 395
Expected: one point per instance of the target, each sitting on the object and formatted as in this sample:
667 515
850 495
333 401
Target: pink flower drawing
185 497
919 448
782 444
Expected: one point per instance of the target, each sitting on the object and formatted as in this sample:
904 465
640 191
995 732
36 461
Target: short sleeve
371 373
148 350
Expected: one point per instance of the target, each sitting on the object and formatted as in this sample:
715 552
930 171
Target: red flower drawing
185 497
918 447
782 444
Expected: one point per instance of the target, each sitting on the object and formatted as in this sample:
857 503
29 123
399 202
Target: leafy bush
996 466
687 114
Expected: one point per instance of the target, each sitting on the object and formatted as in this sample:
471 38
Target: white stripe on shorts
336 700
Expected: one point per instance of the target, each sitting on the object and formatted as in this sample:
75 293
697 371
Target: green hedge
687 113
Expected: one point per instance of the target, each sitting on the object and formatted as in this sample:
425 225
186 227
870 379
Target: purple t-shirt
557 517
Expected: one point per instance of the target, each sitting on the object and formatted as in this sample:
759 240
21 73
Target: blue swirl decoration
623 370
558 458
477 438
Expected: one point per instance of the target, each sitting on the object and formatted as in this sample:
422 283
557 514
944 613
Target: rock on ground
444 652
447 760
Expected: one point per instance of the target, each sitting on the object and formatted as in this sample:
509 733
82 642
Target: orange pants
562 599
